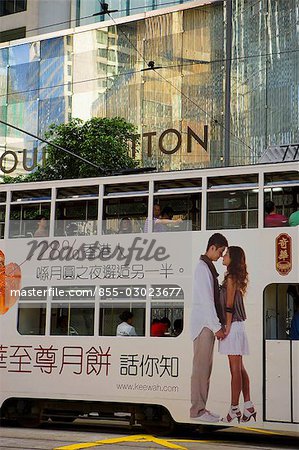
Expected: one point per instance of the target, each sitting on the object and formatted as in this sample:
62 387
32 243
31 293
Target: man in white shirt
126 328
206 324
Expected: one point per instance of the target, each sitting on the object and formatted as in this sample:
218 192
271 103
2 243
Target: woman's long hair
237 268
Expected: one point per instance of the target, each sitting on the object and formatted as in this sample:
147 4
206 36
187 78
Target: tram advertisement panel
141 318
89 311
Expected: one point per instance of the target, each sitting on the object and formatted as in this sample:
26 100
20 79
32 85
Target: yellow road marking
137 438
260 430
169 443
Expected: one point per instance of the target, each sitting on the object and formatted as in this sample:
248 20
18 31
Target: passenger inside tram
42 227
165 222
125 225
156 215
294 219
160 327
272 219
125 328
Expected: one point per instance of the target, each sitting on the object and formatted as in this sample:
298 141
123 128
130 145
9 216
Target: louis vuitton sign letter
151 136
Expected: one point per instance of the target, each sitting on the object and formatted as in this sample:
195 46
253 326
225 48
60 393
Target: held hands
220 334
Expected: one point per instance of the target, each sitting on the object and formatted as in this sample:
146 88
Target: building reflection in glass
179 108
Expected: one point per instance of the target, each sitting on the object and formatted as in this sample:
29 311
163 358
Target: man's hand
220 334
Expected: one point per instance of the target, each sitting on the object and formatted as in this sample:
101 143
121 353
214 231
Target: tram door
281 351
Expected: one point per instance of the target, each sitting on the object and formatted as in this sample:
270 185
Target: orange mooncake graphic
10 284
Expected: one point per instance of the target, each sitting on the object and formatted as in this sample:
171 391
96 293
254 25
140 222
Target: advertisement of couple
222 381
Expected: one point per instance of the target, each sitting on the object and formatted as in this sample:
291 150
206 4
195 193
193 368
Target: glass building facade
226 84
87 8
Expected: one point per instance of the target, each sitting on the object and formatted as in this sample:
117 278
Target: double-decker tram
96 294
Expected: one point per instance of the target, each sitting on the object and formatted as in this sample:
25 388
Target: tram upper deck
205 199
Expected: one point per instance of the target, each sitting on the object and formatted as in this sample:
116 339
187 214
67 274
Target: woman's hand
227 329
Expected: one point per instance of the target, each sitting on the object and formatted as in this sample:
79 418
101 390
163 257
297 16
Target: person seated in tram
157 328
272 219
165 220
125 328
125 226
160 327
42 227
294 219
156 215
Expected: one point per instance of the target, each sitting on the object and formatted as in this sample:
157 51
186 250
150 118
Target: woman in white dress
235 344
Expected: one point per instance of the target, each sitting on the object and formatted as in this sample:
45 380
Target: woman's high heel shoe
233 413
249 411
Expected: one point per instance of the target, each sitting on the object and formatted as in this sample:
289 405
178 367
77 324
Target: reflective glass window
23 73
31 318
72 319
12 6
185 212
281 311
12 34
30 195
3 91
124 215
25 218
55 76
76 217
52 67
77 192
2 221
232 209
25 114
285 199
167 319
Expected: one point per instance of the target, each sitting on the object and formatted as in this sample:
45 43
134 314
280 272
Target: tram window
285 199
76 218
281 310
126 188
2 221
232 209
245 180
77 192
109 317
72 319
2 197
279 178
186 207
24 218
174 184
31 195
32 318
117 210
174 312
